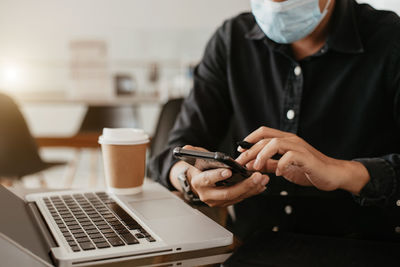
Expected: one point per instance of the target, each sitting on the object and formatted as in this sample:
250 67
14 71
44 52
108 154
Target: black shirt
344 100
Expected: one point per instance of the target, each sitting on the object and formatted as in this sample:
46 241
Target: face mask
288 21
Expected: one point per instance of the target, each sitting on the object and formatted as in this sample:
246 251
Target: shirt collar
255 33
344 36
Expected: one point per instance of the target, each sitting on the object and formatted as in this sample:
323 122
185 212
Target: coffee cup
124 157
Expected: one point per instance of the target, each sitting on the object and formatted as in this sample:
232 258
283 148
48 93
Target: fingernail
257 179
264 182
226 173
257 164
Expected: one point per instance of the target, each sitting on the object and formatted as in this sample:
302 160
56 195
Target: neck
313 42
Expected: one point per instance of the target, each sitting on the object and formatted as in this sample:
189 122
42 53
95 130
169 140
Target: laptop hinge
48 238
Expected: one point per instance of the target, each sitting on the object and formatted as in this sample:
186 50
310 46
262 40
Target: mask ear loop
323 14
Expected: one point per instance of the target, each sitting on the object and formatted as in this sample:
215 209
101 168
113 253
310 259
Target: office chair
98 117
166 120
19 155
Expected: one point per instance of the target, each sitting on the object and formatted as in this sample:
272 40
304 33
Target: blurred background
69 63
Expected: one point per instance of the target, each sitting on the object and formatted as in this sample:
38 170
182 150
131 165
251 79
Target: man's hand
203 184
300 162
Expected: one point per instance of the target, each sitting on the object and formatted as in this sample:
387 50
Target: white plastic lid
123 136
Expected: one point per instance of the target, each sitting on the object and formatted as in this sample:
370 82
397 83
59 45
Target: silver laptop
76 228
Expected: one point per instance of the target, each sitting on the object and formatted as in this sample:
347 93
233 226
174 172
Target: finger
275 146
223 203
190 147
262 133
270 166
226 194
210 177
292 166
249 165
288 160
193 171
240 149
257 190
251 153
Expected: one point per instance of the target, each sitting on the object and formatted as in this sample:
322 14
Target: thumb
289 159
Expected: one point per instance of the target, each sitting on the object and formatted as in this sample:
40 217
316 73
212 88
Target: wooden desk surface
82 140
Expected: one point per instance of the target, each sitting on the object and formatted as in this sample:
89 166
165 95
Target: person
316 82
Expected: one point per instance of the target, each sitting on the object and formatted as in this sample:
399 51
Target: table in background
102 111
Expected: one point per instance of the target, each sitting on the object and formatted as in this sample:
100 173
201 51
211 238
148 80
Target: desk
78 142
204 257
82 140
66 113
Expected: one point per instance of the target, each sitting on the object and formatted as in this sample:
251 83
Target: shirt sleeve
383 189
383 186
205 113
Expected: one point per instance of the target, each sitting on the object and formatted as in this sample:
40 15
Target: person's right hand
203 184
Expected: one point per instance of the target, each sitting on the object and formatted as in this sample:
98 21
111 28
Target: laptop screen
18 225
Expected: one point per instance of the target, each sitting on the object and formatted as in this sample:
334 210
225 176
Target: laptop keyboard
94 221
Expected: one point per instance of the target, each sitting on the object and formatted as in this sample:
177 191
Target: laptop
81 227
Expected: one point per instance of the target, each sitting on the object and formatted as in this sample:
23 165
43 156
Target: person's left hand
300 162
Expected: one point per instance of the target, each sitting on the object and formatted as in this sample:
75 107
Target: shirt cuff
159 168
382 184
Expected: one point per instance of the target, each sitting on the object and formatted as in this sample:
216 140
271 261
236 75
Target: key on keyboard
94 221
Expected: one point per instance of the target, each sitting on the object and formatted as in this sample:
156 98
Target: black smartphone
212 160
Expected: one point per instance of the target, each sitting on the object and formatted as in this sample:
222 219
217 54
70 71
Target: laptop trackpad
161 208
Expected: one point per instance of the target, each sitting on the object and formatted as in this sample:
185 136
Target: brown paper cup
124 167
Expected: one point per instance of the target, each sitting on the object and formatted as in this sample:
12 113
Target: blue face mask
288 21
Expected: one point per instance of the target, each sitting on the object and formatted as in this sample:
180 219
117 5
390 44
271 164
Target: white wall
43 28
35 37
35 34
384 4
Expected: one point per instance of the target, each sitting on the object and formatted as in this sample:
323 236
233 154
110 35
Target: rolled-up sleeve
383 188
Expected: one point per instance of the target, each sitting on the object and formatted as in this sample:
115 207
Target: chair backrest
18 149
98 117
166 121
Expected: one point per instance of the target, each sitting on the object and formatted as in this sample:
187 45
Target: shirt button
290 114
398 203
397 229
297 70
288 209
283 193
275 229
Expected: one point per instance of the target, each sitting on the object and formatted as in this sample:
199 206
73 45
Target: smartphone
212 160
